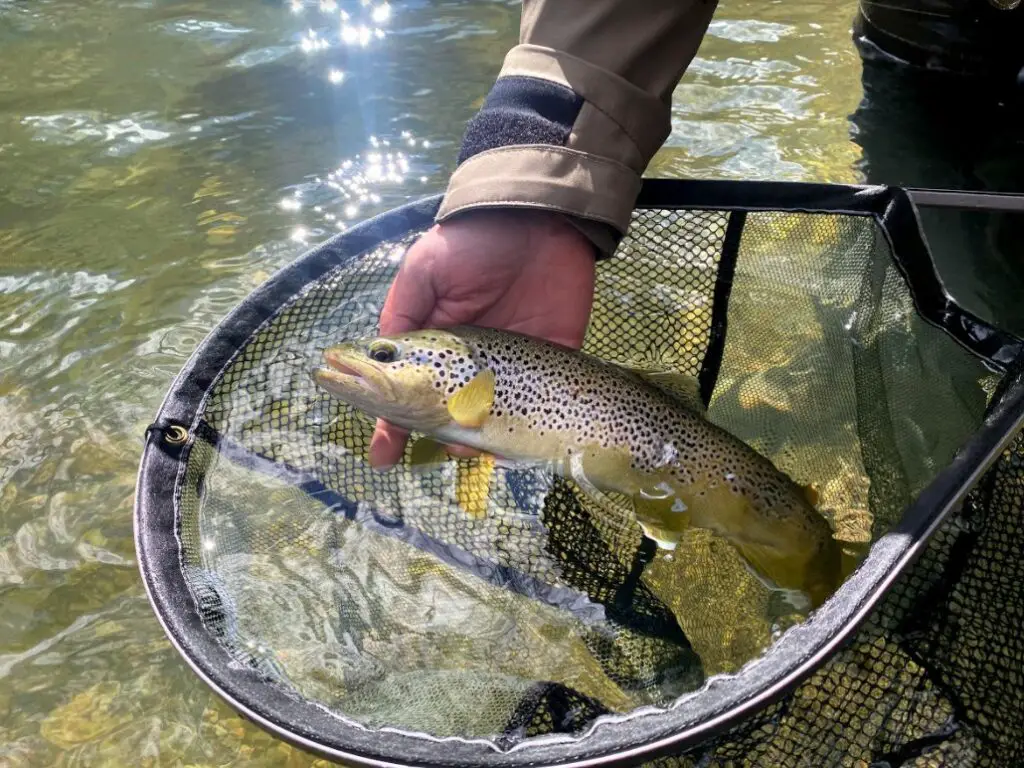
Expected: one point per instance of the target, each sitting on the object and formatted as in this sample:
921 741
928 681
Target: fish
613 429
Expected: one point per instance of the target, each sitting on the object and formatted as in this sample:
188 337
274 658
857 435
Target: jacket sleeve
579 108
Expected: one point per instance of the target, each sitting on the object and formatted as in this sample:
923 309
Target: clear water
159 160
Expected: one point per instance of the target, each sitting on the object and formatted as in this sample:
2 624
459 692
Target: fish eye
383 351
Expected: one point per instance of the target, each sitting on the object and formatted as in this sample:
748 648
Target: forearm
580 107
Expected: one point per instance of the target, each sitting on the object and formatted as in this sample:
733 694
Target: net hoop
612 740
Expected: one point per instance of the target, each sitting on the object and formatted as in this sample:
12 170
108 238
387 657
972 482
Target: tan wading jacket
579 108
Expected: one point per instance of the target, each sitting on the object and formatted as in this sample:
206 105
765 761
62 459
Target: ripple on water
387 173
211 30
72 284
762 101
65 486
750 71
122 696
121 137
256 57
44 312
749 30
740 151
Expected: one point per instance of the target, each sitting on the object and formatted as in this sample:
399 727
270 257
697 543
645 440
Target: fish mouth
344 372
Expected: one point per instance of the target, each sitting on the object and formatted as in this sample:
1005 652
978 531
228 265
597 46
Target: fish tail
850 556
828 570
816 574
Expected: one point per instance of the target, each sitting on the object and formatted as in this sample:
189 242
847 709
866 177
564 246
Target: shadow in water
926 129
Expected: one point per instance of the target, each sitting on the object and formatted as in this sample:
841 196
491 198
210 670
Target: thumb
409 303
411 297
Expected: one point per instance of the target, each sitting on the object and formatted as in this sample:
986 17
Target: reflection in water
919 131
357 28
767 97
356 188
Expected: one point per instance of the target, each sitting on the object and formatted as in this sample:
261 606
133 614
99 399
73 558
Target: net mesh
933 678
377 596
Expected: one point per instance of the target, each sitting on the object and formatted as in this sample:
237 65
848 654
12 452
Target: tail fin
851 555
834 565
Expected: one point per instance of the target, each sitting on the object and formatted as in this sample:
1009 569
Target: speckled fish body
527 400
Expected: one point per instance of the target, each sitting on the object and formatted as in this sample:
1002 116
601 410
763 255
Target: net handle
976 200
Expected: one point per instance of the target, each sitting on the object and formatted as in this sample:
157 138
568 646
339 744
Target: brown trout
611 429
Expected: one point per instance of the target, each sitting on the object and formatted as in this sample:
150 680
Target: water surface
158 160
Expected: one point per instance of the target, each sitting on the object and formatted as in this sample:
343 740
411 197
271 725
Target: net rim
612 740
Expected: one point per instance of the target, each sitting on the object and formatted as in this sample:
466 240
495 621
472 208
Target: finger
409 302
387 445
461 451
411 297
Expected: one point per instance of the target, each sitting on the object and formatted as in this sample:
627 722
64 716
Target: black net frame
629 740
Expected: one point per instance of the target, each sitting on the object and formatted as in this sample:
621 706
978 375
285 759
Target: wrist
542 226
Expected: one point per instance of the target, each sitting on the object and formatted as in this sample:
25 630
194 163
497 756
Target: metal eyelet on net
176 435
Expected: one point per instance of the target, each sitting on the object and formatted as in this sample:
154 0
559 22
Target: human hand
517 270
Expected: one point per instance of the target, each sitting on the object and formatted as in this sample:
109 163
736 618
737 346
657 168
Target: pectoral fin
769 566
660 513
663 518
789 573
470 406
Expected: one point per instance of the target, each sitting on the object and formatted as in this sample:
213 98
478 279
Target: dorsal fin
681 386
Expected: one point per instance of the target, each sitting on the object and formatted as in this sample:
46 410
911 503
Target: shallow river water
158 160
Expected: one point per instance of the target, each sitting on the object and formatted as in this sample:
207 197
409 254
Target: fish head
408 379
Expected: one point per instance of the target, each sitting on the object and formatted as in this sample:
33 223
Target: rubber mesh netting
375 594
933 678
